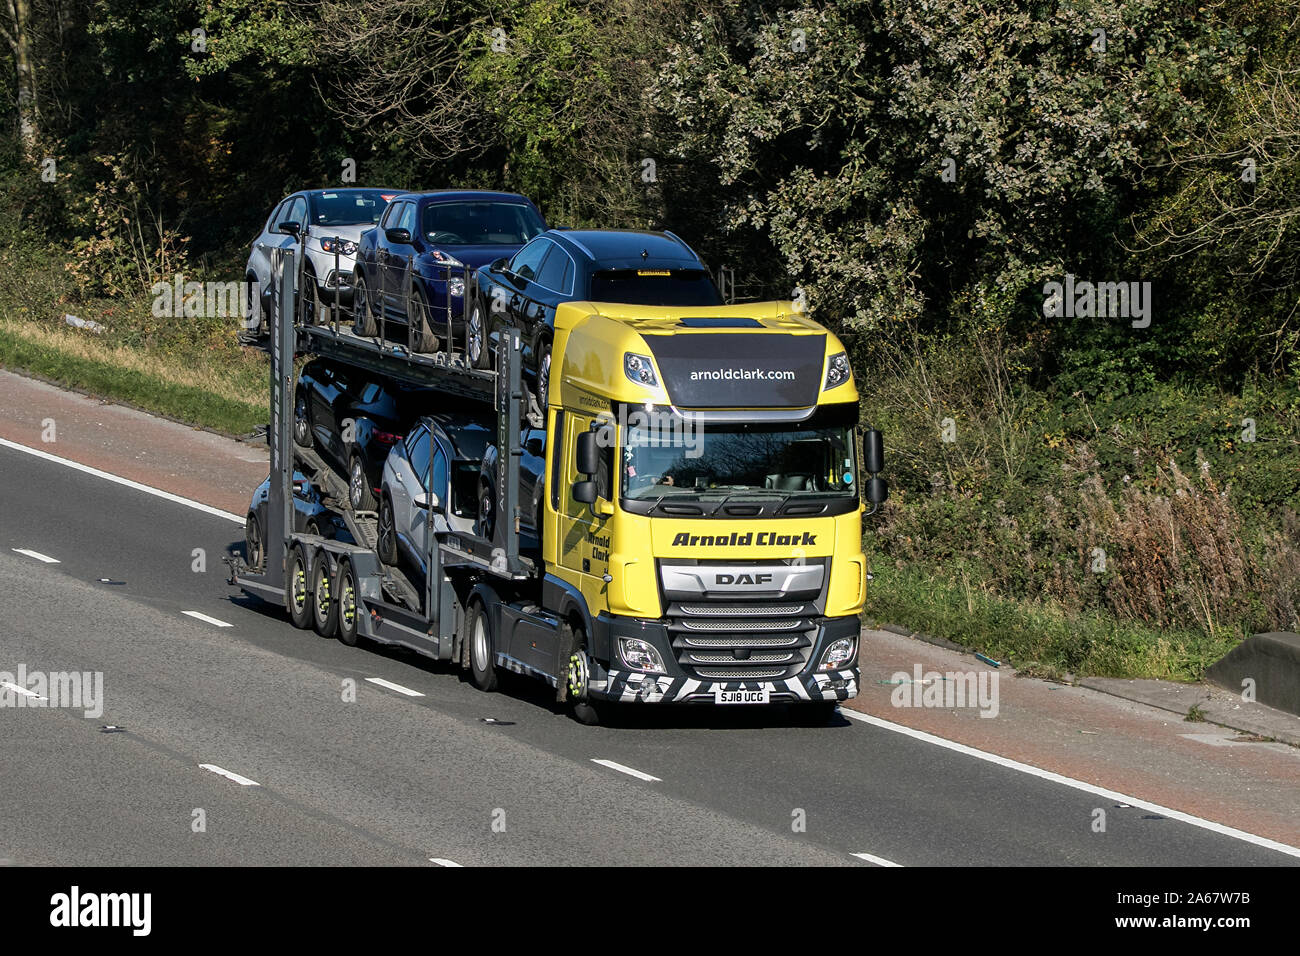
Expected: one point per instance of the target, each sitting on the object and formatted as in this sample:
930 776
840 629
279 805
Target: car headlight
840 652
640 655
456 286
639 369
345 247
837 370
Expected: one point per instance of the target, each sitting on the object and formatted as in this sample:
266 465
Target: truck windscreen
666 459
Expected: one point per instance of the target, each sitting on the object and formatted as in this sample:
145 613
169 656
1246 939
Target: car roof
617 246
461 195
469 433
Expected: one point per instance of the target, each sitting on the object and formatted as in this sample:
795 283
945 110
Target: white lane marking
207 620
1076 784
630 771
9 685
878 860
221 772
443 862
38 556
391 686
126 482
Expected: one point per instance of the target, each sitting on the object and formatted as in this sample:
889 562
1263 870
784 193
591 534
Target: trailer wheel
482 650
387 543
347 603
585 711
252 543
363 316
421 335
325 608
297 589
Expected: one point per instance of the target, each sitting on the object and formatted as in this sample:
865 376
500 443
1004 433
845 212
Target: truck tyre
346 591
817 713
477 347
297 589
386 544
359 494
482 648
324 605
585 711
253 543
421 334
363 312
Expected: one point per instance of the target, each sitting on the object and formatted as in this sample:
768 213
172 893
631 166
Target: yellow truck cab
703 518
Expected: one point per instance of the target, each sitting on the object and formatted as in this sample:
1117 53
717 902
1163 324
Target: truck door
583 540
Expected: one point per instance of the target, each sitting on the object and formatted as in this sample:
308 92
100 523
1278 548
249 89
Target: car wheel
476 336
387 544
325 608
302 435
346 589
253 555
363 310
486 511
482 649
254 306
544 377
297 590
420 334
359 494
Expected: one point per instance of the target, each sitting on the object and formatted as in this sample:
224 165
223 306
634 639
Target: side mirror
291 228
873 452
427 499
398 236
587 456
584 492
498 265
877 490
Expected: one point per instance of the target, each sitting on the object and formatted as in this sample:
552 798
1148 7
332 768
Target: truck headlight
640 655
639 369
840 652
456 287
837 370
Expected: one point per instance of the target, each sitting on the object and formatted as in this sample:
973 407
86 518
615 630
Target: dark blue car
580 265
440 238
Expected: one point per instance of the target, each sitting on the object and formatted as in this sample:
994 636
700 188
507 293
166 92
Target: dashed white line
878 860
37 555
391 686
199 615
630 771
1076 784
222 772
119 480
443 862
9 685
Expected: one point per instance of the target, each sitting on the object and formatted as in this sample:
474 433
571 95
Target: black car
578 265
310 516
354 419
532 488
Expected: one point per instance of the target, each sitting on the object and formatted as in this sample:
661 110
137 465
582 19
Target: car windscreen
654 287
348 207
482 223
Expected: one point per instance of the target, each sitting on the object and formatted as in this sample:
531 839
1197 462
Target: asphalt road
390 778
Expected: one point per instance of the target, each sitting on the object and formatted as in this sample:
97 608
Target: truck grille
732 641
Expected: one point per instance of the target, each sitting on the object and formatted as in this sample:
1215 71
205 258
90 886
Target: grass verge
1038 638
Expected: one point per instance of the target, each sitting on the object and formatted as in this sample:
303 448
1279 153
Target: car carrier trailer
644 591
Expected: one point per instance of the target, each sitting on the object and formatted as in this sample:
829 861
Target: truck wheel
297 590
302 434
252 543
817 713
387 543
421 335
585 711
346 589
482 649
363 313
359 494
476 335
325 608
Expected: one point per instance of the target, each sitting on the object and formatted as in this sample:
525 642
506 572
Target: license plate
740 696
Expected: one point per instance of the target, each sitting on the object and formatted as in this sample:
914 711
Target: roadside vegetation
1080 492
